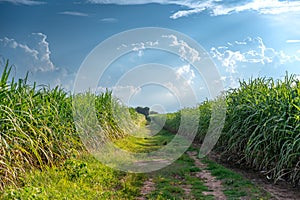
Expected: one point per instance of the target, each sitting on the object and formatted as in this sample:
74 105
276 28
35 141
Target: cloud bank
39 54
238 58
249 51
216 7
293 41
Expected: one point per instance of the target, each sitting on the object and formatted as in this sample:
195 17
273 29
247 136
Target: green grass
83 177
146 143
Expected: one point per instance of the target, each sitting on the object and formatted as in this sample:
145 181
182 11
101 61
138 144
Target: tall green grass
262 126
37 127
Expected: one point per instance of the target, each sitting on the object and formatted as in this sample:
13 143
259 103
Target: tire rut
210 181
147 188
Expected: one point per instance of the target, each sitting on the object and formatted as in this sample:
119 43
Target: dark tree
144 111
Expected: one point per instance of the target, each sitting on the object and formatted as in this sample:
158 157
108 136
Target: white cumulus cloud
44 63
251 50
250 56
185 13
7 42
185 51
187 73
39 54
35 59
139 47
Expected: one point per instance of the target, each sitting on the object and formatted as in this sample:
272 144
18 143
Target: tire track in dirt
147 188
210 181
187 188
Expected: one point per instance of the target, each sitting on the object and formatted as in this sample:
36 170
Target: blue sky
51 39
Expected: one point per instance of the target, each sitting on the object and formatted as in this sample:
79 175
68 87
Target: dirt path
214 186
182 180
210 181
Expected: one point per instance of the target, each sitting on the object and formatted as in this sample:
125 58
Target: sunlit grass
82 177
262 126
37 126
